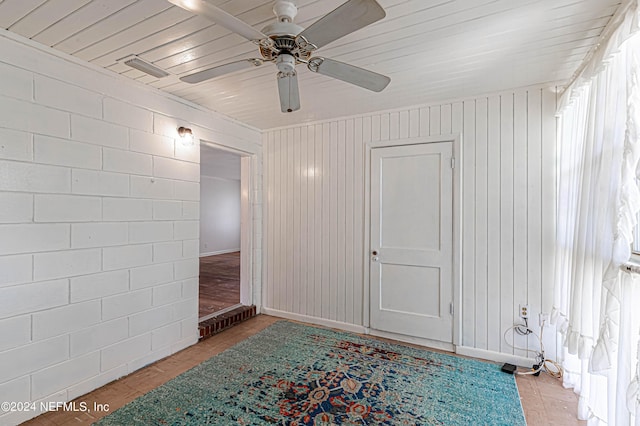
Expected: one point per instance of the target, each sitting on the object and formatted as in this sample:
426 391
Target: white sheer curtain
596 305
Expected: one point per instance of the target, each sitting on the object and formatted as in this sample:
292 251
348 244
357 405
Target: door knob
374 258
375 253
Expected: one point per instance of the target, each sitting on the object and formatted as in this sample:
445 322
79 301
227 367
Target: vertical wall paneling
405 126
349 218
367 126
424 121
281 236
285 198
434 120
341 166
481 219
414 123
269 216
520 212
272 228
445 119
394 125
318 220
332 259
303 237
291 203
534 208
385 122
507 309
456 117
360 135
375 128
277 197
508 178
296 284
468 222
279 200
309 219
251 211
326 223
286 205
494 224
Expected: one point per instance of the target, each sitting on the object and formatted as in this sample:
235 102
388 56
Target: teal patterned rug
291 374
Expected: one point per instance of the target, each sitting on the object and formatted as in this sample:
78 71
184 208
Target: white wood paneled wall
314 211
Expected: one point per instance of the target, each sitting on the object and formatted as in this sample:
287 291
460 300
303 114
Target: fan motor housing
283 34
284 43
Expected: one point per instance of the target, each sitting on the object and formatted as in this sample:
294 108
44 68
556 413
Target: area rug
291 374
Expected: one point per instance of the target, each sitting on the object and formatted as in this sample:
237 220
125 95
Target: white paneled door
412 240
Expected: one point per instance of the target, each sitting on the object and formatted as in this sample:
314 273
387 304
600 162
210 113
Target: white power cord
550 366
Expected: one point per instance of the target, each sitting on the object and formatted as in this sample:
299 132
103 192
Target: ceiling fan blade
288 90
220 17
347 18
349 73
214 72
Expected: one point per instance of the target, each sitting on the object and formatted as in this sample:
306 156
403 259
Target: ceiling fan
286 45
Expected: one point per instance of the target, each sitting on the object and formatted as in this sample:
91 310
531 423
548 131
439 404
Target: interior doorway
219 283
411 261
225 230
430 254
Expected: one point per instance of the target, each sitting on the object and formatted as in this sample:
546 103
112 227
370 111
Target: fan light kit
286 45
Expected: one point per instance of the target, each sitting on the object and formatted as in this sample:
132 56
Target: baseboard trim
427 343
214 253
353 328
495 356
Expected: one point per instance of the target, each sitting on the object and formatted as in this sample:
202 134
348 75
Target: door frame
249 295
457 224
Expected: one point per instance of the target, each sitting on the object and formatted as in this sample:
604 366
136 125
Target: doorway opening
219 283
225 237
414 240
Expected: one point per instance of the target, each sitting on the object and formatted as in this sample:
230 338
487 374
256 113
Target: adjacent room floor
219 282
544 400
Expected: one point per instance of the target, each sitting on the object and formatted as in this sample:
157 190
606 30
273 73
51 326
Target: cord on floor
550 366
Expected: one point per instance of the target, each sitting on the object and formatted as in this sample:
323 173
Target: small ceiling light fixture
141 65
186 135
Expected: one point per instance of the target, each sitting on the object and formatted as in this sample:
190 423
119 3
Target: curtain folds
598 199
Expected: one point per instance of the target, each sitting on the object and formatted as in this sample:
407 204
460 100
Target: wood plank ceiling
433 50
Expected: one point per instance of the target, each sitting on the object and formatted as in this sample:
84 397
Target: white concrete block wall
16 269
99 219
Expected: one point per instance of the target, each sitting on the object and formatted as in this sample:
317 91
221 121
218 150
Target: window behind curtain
635 246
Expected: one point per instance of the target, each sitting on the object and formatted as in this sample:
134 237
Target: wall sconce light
186 135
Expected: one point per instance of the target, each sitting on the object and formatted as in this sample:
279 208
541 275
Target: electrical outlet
524 311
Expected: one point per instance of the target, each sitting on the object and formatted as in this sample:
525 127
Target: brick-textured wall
99 218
